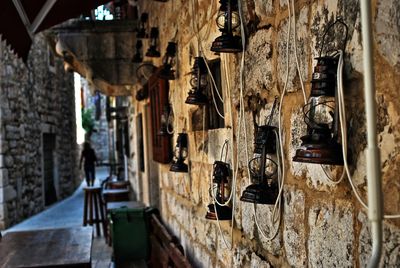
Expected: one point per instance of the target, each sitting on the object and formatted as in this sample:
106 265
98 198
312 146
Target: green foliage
87 120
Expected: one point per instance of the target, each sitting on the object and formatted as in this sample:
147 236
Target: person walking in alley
89 165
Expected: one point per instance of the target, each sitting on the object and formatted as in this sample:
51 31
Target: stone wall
36 99
323 224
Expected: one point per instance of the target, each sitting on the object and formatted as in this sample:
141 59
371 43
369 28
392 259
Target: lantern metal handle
338 20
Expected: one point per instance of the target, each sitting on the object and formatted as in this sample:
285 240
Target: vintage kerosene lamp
221 175
321 143
166 71
228 20
180 154
199 83
153 49
141 33
263 168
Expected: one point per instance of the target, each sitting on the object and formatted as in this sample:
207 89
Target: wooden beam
23 16
42 15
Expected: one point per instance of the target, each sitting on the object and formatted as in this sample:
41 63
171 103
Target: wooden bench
166 251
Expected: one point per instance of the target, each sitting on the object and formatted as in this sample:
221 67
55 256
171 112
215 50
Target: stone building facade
38 132
323 224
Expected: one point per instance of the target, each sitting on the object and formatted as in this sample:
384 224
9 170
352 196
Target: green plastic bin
130 234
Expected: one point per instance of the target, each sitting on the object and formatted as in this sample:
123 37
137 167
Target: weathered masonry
322 223
37 139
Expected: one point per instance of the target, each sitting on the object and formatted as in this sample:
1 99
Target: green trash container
130 234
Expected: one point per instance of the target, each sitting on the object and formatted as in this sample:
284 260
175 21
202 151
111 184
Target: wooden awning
21 19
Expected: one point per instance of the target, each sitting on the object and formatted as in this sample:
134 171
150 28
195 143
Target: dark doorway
49 144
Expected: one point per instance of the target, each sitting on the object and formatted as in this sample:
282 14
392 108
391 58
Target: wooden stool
94 202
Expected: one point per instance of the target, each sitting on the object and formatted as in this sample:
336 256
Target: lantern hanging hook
226 148
339 20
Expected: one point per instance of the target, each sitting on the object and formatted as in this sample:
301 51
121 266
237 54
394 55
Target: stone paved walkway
64 214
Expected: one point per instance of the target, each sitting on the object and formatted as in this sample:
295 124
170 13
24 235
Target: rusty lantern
166 71
141 32
221 174
263 169
199 82
321 143
180 154
153 49
228 20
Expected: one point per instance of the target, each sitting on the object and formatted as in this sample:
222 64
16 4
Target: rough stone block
267 228
248 224
391 243
206 232
202 258
7 193
198 149
224 252
303 38
293 221
388 30
331 237
257 262
259 53
241 256
3 213
264 8
3 177
216 139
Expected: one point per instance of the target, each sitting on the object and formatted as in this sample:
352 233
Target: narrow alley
68 214
218 133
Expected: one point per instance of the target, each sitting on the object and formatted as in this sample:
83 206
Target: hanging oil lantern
321 143
153 49
141 33
263 169
221 175
166 71
180 154
228 21
199 82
